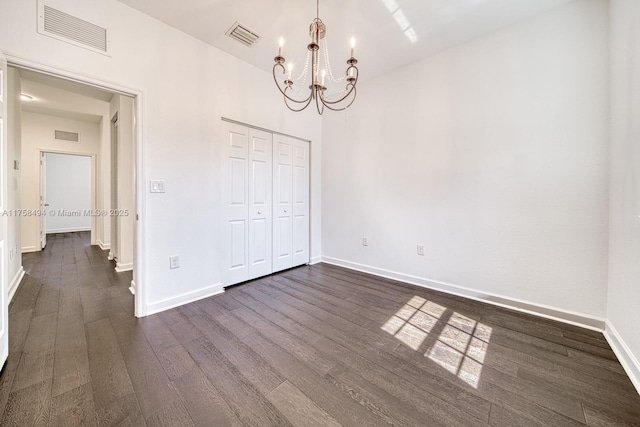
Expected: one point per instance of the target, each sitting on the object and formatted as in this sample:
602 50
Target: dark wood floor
317 346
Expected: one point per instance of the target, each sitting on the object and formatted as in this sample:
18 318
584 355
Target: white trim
132 288
124 267
110 257
103 246
315 260
186 298
625 356
27 249
67 230
553 313
13 287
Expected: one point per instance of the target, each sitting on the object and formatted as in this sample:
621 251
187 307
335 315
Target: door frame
94 184
139 235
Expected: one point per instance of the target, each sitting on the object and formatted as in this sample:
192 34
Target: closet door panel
300 203
260 203
283 207
236 196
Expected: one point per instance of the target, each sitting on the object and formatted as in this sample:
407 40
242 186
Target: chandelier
336 94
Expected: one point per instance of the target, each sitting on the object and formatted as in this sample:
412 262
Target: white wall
53 98
624 214
14 135
38 132
68 179
123 106
187 86
494 155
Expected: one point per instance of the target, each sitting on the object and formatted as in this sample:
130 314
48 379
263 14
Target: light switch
157 186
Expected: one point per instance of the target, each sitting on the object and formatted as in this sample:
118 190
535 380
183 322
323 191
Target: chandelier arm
355 93
283 92
298 110
353 88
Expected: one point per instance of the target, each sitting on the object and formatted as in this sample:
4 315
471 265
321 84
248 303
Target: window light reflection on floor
461 346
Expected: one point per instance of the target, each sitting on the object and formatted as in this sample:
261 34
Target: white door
4 300
260 159
43 200
290 203
300 202
282 204
235 194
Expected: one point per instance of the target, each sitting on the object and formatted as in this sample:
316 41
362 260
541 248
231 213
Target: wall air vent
242 34
68 136
71 29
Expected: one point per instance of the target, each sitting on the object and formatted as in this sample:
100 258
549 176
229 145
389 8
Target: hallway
56 373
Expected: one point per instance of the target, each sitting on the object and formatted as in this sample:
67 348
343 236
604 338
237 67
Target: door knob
285 211
46 204
259 213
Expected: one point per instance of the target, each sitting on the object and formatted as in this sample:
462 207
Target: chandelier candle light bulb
320 90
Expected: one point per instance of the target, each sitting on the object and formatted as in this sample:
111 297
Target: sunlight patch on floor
461 346
413 322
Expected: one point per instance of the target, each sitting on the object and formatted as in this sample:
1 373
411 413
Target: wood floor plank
204 402
172 415
71 365
124 411
74 408
109 377
298 408
249 363
29 406
249 405
36 364
344 409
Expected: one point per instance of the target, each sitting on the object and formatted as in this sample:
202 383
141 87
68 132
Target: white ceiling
381 43
47 102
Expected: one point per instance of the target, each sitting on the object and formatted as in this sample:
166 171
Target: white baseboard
110 257
103 246
627 359
68 230
27 249
132 288
565 316
186 298
13 287
124 267
315 260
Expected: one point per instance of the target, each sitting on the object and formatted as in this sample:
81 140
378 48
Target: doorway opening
67 194
67 134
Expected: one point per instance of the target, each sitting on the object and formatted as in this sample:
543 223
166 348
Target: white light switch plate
157 186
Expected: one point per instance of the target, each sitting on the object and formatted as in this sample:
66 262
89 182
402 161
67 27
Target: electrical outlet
421 250
365 241
174 262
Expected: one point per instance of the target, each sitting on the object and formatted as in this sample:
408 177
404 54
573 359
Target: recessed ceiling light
25 97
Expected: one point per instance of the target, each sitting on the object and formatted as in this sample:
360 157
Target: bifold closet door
247 195
290 203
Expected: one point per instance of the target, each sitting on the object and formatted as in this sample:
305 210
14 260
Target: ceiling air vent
243 34
57 24
68 136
